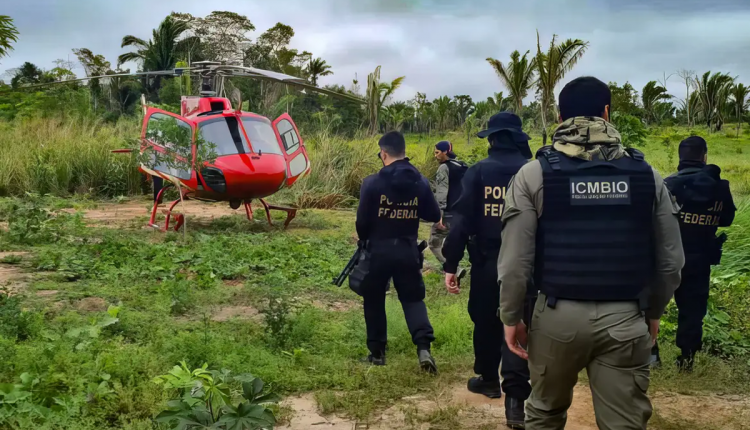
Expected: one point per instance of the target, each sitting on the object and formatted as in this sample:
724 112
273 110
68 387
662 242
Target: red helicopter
255 157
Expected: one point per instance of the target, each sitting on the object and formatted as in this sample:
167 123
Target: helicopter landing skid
290 212
179 218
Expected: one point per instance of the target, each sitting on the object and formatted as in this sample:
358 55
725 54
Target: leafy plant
631 129
16 323
278 316
205 400
85 334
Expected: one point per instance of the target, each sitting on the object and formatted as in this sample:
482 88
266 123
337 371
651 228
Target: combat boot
490 389
685 362
514 413
375 361
426 362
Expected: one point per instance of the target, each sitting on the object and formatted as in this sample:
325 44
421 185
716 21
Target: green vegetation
110 309
96 313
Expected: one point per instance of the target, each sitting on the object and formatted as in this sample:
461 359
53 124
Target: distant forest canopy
710 99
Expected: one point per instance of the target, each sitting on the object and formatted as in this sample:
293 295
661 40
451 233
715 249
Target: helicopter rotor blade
176 72
251 72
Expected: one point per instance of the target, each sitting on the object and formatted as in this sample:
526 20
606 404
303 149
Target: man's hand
440 225
515 337
451 283
653 330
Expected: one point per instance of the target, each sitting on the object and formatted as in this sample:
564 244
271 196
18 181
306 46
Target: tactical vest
700 214
456 171
494 176
594 238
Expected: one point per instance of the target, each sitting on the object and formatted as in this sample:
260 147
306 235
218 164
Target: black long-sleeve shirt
469 210
393 201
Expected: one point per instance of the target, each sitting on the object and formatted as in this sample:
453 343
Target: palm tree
8 35
651 95
318 67
739 95
517 76
551 67
162 51
377 94
713 91
464 106
442 107
500 103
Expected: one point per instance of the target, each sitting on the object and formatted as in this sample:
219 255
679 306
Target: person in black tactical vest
447 191
477 223
391 204
706 204
596 229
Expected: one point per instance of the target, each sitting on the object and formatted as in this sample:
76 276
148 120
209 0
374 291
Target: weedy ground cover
107 310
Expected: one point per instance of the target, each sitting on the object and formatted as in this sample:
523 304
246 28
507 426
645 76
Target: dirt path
115 215
12 277
456 408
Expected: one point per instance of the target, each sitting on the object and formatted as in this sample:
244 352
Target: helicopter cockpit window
261 135
226 134
288 136
175 136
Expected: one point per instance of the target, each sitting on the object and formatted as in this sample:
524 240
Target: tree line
710 99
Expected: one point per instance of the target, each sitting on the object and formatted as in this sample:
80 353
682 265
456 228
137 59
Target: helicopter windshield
261 135
226 134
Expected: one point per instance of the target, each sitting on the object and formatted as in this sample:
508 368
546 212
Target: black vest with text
456 171
594 238
495 172
700 199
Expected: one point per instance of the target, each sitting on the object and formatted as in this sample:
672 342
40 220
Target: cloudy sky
439 45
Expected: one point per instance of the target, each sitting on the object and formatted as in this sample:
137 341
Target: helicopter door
160 129
297 161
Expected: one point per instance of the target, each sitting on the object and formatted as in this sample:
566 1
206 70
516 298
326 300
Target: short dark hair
393 144
693 148
585 96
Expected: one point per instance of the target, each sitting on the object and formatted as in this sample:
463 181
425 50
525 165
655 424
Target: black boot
374 360
685 361
426 362
490 389
514 413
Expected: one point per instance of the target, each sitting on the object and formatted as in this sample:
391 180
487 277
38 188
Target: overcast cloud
439 45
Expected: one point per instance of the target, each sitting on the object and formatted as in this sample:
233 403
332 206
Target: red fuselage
255 157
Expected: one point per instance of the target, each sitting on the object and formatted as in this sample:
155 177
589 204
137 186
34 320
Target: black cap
694 144
505 121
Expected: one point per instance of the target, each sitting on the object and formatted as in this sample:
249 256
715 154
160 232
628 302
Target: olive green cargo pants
608 339
437 237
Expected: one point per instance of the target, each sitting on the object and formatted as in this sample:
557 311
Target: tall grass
66 156
72 155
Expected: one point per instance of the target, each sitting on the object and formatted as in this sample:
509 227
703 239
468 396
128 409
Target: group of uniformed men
574 258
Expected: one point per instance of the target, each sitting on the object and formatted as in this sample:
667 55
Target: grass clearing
257 299
246 297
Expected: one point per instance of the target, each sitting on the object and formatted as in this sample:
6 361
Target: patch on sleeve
598 190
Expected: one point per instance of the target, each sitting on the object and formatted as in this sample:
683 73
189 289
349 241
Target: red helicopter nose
246 176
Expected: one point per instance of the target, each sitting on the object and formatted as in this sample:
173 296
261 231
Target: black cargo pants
490 349
692 304
400 260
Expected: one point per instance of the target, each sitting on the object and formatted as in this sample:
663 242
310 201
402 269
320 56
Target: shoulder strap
552 158
635 154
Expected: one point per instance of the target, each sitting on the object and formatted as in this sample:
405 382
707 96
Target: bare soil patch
227 313
114 214
12 279
91 304
455 407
